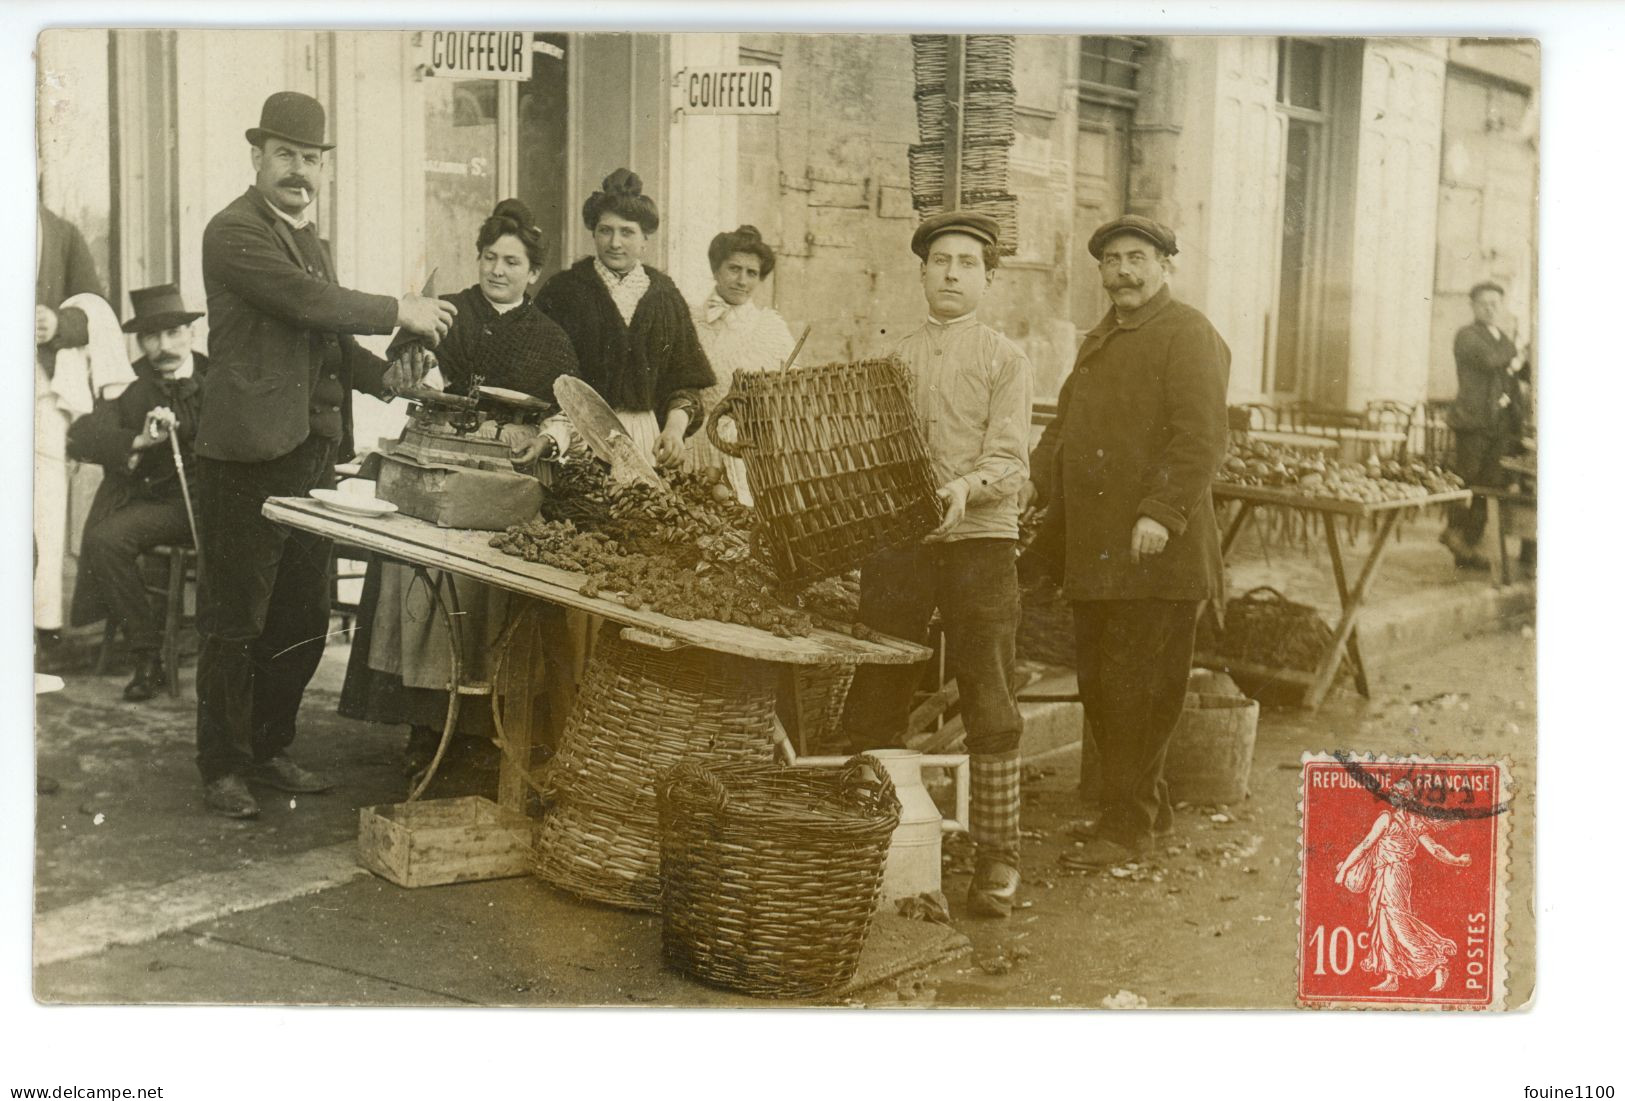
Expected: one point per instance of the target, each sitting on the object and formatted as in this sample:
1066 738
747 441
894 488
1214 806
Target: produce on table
689 554
1312 475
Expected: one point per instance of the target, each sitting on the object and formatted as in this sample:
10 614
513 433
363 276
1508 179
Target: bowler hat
970 222
158 308
292 116
1155 232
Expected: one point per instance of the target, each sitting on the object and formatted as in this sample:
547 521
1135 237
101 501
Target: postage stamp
1402 888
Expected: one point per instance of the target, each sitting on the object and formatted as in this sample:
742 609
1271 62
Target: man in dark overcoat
1487 416
1139 434
275 418
140 503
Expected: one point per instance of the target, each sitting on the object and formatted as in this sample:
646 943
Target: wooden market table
470 554
1302 440
1318 683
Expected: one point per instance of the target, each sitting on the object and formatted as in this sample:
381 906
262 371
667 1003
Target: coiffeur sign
742 90
476 55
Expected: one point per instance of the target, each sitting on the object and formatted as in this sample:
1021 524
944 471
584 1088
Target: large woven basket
836 459
640 712
771 876
1262 627
820 698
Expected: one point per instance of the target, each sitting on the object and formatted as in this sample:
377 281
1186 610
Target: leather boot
148 679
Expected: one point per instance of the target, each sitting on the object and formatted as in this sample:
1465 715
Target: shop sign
475 55
741 90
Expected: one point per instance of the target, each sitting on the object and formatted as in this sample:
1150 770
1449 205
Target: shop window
1110 62
1300 75
145 228
1301 95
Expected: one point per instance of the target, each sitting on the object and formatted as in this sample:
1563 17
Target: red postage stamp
1402 900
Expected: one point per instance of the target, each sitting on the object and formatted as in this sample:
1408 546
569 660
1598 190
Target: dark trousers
973 583
1478 461
263 595
109 557
1134 662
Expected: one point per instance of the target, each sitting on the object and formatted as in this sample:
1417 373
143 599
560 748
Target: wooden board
470 554
1266 495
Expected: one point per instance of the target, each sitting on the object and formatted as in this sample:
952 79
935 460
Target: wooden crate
444 841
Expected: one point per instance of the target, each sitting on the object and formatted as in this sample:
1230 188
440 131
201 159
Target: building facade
1334 198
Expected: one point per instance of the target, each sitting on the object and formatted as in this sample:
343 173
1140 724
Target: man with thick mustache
275 418
140 502
1138 436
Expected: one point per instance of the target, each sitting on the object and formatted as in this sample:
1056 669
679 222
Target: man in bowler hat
1127 467
973 390
140 503
275 418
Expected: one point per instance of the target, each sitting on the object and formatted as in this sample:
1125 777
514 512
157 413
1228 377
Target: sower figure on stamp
973 390
1399 942
1139 433
140 503
275 418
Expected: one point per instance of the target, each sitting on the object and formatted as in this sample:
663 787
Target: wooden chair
1385 415
179 566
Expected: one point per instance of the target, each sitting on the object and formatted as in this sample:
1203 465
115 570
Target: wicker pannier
1264 628
771 876
837 462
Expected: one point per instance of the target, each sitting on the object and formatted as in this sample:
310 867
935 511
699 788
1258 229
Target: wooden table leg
1500 572
516 692
1351 611
1330 524
1234 529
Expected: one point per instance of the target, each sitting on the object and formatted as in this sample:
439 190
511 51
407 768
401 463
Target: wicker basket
836 459
771 876
1262 627
998 205
639 713
820 697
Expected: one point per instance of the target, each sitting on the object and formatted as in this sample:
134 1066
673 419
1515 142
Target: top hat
969 222
1140 226
158 308
294 117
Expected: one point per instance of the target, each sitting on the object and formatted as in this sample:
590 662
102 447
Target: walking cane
186 492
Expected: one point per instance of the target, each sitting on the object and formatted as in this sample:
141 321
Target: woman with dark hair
737 335
630 326
400 660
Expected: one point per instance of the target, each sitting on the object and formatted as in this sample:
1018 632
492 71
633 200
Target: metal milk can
914 860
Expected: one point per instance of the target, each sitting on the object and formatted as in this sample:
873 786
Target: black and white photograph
534 515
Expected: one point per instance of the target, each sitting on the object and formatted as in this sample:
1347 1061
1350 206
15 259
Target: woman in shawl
1400 943
400 662
737 335
633 336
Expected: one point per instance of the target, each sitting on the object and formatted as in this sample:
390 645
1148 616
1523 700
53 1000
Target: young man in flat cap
1138 436
973 390
276 416
140 502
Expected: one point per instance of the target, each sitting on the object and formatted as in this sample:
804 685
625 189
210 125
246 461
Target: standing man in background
275 418
1139 433
1487 416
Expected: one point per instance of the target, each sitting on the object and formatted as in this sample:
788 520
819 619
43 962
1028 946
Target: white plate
352 503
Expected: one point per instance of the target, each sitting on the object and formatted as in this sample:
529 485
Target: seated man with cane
143 441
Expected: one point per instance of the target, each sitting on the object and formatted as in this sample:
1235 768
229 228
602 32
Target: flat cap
1155 232
970 222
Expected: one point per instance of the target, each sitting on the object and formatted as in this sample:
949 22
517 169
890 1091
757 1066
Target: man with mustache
275 419
1138 436
139 503
973 391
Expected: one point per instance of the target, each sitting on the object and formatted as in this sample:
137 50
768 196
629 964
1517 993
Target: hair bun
516 210
749 233
623 181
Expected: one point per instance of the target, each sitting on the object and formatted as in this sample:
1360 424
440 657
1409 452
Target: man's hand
953 495
159 424
44 325
669 444
1149 538
429 318
407 369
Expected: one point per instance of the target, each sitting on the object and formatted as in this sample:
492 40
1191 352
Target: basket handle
880 790
723 408
695 776
1263 590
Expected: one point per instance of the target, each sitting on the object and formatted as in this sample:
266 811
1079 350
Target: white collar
297 223
961 319
502 307
612 278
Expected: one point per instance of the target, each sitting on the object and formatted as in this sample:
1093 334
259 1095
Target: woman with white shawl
737 335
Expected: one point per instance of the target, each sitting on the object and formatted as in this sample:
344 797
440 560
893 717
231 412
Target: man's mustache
1124 284
295 181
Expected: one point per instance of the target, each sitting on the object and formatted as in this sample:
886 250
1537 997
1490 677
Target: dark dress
400 645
